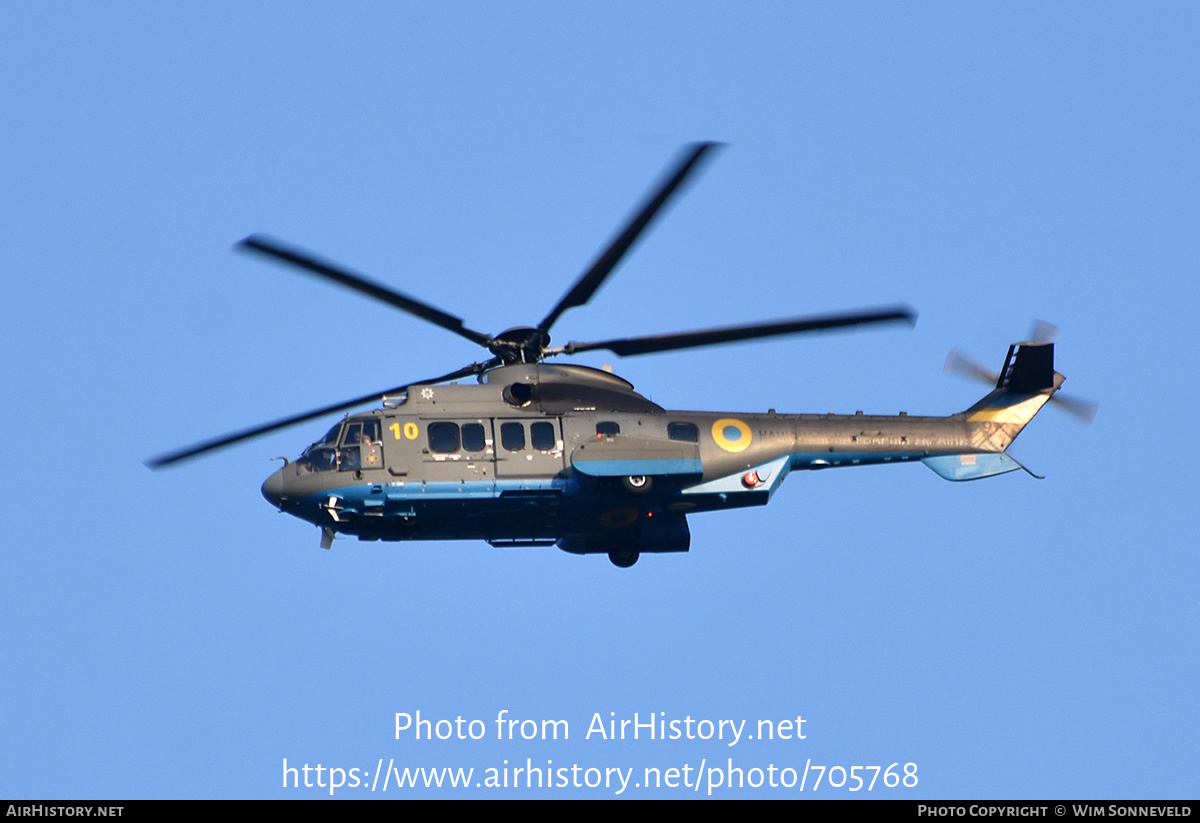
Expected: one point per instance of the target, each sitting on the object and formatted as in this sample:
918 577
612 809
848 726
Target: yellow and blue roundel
731 435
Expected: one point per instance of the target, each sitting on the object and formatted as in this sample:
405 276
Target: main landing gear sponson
623 558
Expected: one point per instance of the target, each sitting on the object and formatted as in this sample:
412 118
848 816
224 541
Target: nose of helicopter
272 489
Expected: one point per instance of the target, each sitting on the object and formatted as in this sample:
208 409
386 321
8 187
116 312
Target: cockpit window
360 446
322 455
607 428
318 458
371 434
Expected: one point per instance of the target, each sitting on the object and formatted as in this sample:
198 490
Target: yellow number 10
410 430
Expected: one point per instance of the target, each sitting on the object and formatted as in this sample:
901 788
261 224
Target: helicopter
535 453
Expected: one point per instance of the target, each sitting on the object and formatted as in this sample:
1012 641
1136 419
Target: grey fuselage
542 454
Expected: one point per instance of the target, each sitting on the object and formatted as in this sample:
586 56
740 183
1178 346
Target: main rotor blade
237 437
628 346
344 277
590 280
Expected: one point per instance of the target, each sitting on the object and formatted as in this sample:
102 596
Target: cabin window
607 428
473 437
443 437
512 436
542 436
686 432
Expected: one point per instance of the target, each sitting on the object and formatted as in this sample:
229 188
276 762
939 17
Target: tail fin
1027 381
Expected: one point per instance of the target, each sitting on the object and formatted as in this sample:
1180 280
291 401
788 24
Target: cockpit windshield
360 448
322 455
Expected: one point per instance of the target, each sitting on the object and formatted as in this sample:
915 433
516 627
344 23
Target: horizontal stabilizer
971 466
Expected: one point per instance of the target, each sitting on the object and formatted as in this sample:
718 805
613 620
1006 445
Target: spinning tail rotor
1041 334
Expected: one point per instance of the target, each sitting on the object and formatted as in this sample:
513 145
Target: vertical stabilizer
1027 381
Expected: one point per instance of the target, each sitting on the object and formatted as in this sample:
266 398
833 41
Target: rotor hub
520 344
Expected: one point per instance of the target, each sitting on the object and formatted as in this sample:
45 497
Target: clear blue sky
169 635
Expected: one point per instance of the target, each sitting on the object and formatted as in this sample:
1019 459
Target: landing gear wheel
623 558
638 483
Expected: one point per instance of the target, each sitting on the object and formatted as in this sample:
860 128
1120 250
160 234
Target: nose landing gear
638 483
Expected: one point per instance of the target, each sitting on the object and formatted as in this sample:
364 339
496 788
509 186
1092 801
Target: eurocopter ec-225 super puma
540 454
